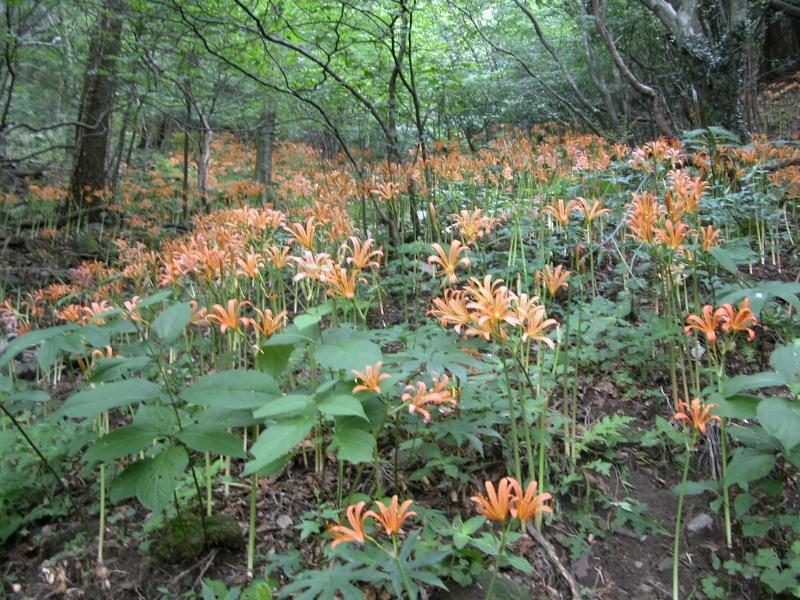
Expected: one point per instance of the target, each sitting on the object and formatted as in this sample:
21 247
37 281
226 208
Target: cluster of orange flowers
651 222
390 517
726 317
417 396
561 212
489 309
508 498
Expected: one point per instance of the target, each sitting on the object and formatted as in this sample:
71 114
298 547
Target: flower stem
676 547
500 550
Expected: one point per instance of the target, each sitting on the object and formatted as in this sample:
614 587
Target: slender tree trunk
265 141
206 134
185 187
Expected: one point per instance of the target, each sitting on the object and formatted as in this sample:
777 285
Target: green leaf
786 361
278 439
160 477
737 406
342 404
210 439
748 464
289 404
108 369
757 381
32 338
345 348
305 321
27 396
781 418
7 438
354 445
169 325
120 442
233 389
273 359
106 396
6 384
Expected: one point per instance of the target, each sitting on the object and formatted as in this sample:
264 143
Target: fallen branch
550 551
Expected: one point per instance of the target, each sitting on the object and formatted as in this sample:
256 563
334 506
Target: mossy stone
183 537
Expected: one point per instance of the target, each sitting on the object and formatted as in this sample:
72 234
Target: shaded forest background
90 88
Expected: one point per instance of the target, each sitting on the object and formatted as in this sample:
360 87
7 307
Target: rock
284 521
643 592
665 565
699 523
580 568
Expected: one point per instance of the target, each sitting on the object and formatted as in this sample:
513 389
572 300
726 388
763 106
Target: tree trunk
92 141
185 184
265 139
205 158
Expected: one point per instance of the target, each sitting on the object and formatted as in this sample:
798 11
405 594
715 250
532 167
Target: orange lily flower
495 506
278 256
452 310
267 323
492 305
340 283
130 306
393 516
591 210
227 318
707 324
303 235
357 519
362 256
250 266
554 279
741 320
697 415
96 308
440 394
672 235
560 211
709 238
534 322
199 315
72 313
525 506
449 260
370 381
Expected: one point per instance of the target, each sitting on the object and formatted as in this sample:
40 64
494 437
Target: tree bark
92 141
265 140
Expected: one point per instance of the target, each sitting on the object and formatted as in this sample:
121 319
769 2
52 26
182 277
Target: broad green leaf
781 418
273 359
30 339
748 464
354 445
169 325
160 478
120 442
277 440
237 389
215 440
757 381
108 369
342 403
344 348
6 384
305 321
291 404
106 396
737 406
786 361
27 396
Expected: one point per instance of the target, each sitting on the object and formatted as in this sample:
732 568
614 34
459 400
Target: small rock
699 523
638 564
643 592
665 565
580 568
284 521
